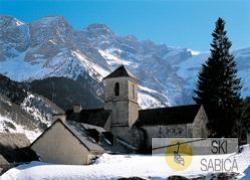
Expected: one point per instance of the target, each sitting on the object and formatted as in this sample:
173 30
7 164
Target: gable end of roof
121 71
68 129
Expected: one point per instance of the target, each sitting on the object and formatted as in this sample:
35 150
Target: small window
117 89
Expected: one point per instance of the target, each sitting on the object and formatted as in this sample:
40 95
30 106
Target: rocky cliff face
50 48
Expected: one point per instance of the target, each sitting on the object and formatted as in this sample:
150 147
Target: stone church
119 127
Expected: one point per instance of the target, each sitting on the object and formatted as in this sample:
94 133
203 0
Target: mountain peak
9 20
2 17
131 37
99 29
98 26
51 19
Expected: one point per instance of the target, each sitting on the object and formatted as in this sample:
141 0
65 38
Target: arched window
117 89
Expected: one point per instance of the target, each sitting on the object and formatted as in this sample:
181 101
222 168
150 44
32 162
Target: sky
179 23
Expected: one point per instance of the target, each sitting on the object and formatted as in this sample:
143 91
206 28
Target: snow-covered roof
79 132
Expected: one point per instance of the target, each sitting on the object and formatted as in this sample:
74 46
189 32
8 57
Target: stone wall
170 131
119 115
133 136
197 129
124 106
126 85
199 126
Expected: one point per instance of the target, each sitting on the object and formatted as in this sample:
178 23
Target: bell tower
121 97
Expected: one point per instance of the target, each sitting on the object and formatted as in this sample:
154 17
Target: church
81 135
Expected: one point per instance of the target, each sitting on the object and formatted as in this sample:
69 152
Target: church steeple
121 97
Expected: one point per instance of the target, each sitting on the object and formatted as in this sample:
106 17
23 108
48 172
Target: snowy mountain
51 48
22 111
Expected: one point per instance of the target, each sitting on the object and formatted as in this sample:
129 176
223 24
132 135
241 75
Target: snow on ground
113 166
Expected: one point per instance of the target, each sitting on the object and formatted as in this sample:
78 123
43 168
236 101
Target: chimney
60 116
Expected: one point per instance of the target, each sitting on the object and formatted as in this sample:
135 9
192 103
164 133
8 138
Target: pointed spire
121 71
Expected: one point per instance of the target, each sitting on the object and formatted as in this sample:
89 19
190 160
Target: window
117 89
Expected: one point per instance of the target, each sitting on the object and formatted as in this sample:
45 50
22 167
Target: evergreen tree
218 87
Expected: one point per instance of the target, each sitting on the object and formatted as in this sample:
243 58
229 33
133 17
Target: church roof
96 117
168 115
121 71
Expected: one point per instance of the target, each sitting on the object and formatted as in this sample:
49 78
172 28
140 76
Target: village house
119 127
66 143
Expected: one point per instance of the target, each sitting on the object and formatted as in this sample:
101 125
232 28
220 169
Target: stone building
66 143
137 127
119 127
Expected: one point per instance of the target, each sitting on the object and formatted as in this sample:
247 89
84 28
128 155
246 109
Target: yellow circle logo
178 155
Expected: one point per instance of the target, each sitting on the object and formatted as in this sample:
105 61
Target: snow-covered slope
50 47
13 127
14 119
32 117
22 111
125 166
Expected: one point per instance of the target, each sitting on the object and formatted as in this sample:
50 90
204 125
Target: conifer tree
218 87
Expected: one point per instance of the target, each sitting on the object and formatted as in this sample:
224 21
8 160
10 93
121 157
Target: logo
209 154
221 161
178 155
